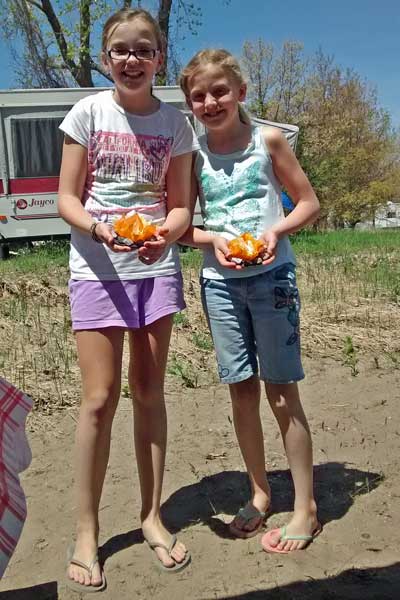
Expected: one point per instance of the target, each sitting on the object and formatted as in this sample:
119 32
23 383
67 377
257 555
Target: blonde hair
217 57
129 14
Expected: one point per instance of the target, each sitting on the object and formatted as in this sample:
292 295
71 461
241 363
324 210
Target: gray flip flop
178 566
248 513
80 587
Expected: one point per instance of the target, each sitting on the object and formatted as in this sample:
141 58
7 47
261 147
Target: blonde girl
253 312
124 152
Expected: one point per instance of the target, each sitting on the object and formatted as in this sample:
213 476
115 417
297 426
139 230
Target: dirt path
356 428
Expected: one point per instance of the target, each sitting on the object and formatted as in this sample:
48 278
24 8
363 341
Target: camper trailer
30 158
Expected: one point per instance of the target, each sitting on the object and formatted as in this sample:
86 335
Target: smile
213 115
132 74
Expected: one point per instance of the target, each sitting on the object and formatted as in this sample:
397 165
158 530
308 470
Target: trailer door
34 149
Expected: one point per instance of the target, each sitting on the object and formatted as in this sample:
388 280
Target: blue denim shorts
255 321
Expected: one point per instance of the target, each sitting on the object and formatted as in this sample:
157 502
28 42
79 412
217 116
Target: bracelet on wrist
93 233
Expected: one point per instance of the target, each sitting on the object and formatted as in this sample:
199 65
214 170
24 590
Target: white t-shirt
128 158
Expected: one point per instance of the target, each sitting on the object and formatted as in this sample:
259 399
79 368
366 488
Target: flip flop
266 539
81 587
248 513
178 566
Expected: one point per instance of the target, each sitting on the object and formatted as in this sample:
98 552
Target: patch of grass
346 265
39 259
350 355
202 340
191 258
38 356
346 241
181 319
183 369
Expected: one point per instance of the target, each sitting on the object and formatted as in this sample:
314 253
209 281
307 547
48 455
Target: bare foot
85 550
155 532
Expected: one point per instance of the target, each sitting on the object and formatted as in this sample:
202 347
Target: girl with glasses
125 152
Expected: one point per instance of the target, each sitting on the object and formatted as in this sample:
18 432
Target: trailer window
37 146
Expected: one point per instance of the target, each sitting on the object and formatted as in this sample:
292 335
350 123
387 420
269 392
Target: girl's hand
151 251
271 242
222 253
104 233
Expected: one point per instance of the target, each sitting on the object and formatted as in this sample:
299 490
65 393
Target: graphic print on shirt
141 160
232 199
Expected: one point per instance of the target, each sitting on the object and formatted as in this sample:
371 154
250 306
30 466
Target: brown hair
219 58
129 14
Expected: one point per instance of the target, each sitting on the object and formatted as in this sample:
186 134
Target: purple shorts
130 304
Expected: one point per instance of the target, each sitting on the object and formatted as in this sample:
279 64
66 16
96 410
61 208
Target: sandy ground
356 431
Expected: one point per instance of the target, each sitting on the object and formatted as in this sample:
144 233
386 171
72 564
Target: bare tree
346 144
34 65
257 60
58 49
289 81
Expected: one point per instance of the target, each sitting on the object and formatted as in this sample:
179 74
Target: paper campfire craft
246 250
133 231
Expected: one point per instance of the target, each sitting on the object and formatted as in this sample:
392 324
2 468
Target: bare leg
100 356
245 396
149 351
286 406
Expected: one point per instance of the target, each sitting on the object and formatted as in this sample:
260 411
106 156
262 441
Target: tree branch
38 6
47 9
99 69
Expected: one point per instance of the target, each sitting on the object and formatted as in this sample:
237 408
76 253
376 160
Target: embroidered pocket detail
223 371
290 301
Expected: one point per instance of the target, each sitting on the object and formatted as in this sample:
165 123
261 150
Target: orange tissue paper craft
246 250
134 230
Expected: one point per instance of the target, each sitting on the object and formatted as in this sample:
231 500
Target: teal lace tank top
239 192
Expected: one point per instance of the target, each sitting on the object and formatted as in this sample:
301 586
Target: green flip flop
267 538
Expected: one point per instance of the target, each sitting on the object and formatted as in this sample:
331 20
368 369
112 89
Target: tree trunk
164 13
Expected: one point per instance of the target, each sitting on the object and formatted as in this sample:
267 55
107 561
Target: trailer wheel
4 251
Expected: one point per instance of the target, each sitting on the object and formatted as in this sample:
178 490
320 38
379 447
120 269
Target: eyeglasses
139 54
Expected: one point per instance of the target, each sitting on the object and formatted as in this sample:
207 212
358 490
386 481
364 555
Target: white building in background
386 216
389 215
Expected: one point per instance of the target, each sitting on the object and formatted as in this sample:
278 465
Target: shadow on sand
43 591
336 486
380 583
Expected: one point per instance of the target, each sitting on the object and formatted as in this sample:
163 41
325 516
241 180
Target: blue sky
360 34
